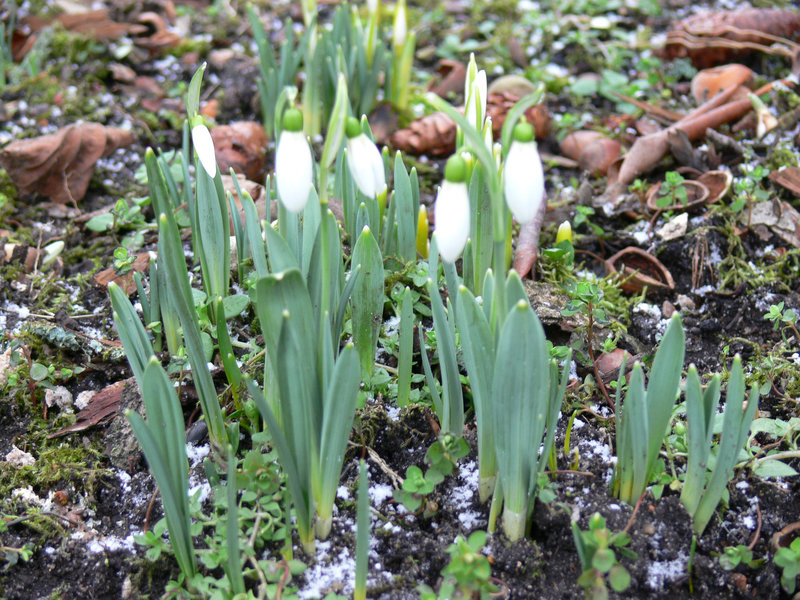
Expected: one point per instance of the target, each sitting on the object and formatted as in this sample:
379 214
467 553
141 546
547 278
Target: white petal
293 170
366 165
480 83
523 181
204 146
452 219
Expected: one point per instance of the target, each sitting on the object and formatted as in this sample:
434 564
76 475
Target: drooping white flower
204 146
364 160
452 210
294 167
523 177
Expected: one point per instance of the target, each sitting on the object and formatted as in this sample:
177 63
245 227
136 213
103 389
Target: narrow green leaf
367 299
405 347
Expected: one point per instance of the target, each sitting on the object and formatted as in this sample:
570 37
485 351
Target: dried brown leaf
717 37
60 165
126 282
241 146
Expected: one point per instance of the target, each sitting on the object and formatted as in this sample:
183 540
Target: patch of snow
393 412
379 493
343 493
660 573
111 544
462 495
329 572
196 454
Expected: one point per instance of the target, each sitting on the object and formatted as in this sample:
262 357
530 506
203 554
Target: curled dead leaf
573 144
718 184
452 76
639 269
598 156
435 134
788 178
697 195
60 165
241 146
712 38
709 82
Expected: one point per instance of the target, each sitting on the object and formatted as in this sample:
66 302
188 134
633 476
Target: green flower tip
366 229
353 127
293 120
523 132
522 304
456 169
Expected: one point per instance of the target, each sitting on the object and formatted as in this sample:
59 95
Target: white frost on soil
328 572
379 493
660 573
393 412
462 495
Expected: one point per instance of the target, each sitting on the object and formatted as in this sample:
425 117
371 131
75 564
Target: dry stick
757 533
633 514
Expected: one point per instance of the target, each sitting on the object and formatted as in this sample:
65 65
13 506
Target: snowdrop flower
400 29
364 160
523 179
475 94
452 210
204 146
293 163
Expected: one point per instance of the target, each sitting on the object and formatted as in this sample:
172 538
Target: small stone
685 302
83 399
60 396
20 458
667 309
648 529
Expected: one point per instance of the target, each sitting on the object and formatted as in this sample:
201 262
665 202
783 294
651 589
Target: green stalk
362 533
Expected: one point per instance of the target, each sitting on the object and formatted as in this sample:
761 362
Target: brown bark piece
103 407
60 165
126 282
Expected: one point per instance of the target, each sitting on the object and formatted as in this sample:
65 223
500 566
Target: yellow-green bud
564 233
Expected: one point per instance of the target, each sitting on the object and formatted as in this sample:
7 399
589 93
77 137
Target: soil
77 511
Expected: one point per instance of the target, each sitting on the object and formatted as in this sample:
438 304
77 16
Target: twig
633 514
